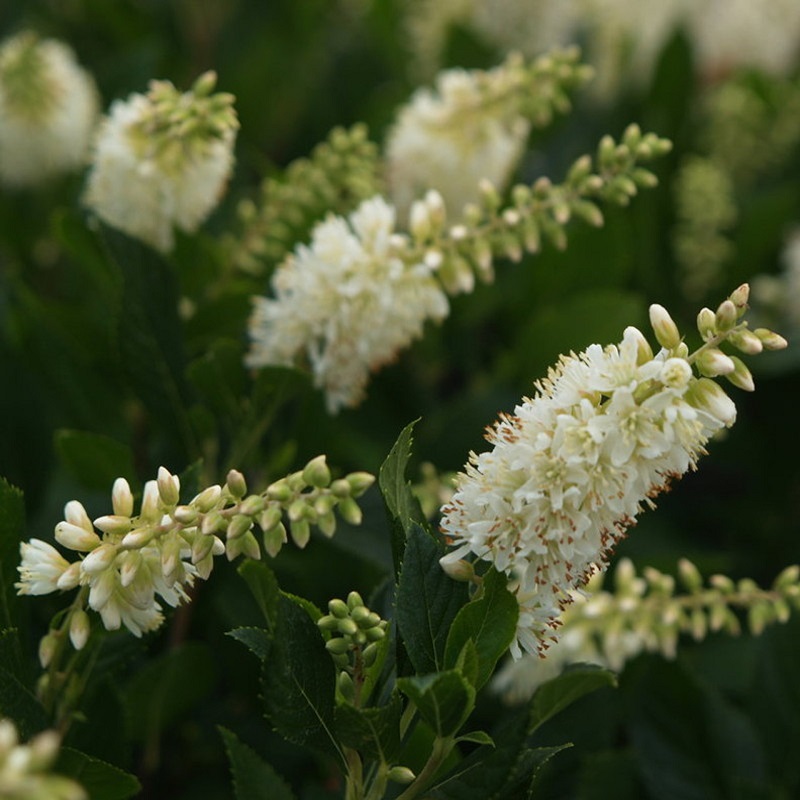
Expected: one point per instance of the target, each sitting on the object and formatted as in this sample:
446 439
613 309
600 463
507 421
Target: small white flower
347 303
41 568
48 109
162 160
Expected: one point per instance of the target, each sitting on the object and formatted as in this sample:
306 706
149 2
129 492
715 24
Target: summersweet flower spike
346 304
129 564
607 431
48 109
162 160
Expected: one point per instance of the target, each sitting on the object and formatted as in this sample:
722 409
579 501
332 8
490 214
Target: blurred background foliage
102 376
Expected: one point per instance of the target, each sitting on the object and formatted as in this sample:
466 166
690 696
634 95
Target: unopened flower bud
300 532
252 505
169 487
236 483
338 608
75 514
690 575
150 501
345 685
274 538
114 524
644 352
707 395
140 537
279 491
369 654
70 578
746 341
458 570
327 524
316 473
270 517
375 634
349 511
76 538
770 339
337 645
726 315
402 775
47 648
741 376
122 498
347 627
79 629
739 297
664 327
101 558
713 362
249 545
341 488
707 324
185 515
208 499
238 526
354 600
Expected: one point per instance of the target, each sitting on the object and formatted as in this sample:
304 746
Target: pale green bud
236 484
531 235
741 376
341 488
707 324
252 505
361 615
402 775
185 515
726 315
300 531
79 629
280 491
690 575
201 547
359 482
208 499
489 195
213 522
113 524
709 396
76 538
47 648
722 583
713 362
347 627
770 339
316 473
739 297
274 538
139 537
99 559
328 623
338 608
122 498
270 517
419 222
238 526
250 547
337 645
699 624
345 685
369 654
787 578
354 601
298 510
375 634
327 524
664 327
169 487
746 341
349 511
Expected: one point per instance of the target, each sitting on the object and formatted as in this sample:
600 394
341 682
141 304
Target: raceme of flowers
162 160
48 109
25 769
646 613
127 561
474 126
607 431
346 304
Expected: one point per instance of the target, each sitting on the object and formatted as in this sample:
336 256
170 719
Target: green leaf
263 584
299 681
490 621
467 662
12 532
401 505
374 732
93 459
478 737
253 778
555 695
256 640
18 703
11 652
427 601
444 699
159 693
101 780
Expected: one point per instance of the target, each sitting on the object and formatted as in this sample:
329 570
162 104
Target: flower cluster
163 159
474 126
646 613
25 769
48 109
361 291
347 303
607 431
131 560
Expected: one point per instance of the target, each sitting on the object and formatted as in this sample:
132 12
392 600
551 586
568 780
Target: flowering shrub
318 248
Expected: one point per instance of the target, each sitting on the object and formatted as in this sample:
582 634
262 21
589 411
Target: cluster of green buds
173 126
492 228
340 173
723 326
355 633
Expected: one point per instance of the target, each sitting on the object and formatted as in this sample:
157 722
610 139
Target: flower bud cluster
163 159
649 613
491 228
341 172
48 109
25 769
354 632
605 434
131 559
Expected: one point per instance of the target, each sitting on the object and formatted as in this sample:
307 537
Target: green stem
442 746
354 789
